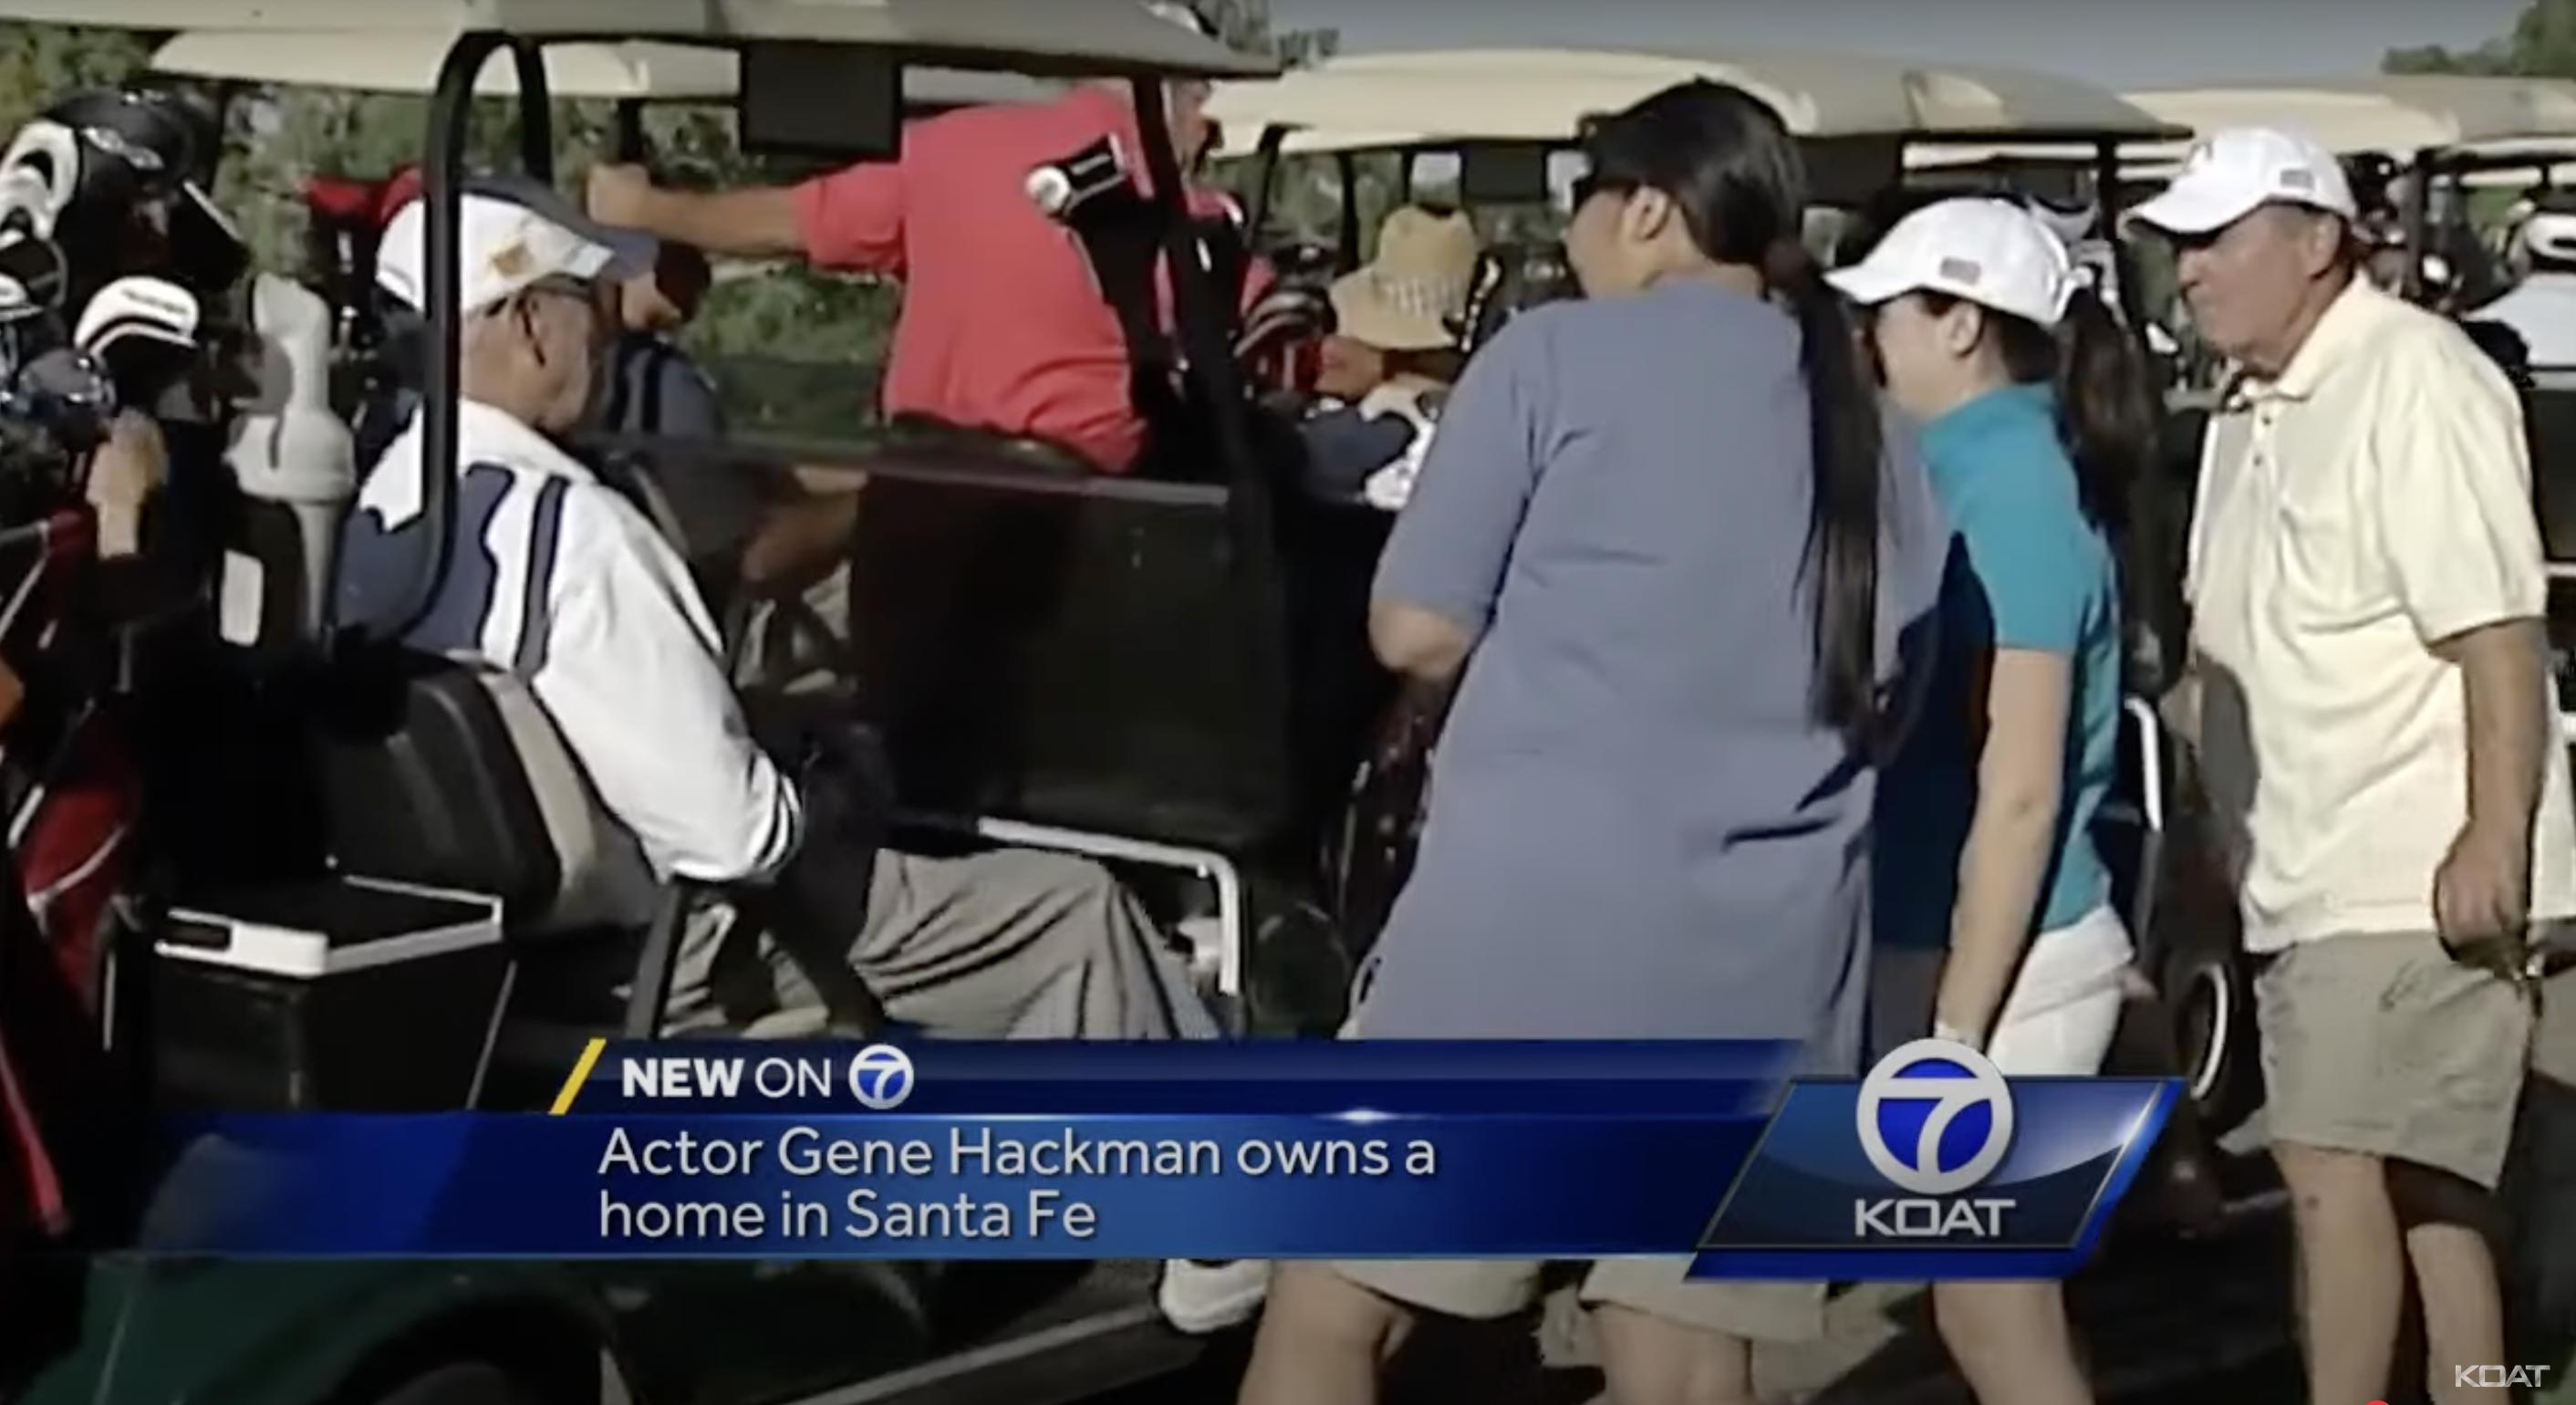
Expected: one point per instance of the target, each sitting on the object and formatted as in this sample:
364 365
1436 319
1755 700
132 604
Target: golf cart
425 950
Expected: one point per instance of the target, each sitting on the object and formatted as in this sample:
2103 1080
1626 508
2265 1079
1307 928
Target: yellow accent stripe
580 1074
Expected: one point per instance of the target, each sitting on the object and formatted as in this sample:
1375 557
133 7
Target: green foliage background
2542 45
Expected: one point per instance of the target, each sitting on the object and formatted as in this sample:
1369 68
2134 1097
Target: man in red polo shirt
1004 326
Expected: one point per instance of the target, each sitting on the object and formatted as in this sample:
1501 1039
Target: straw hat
1413 295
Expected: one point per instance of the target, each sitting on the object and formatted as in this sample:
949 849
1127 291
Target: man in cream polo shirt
2371 704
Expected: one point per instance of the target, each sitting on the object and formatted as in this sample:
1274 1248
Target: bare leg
1323 1341
2455 1276
2353 1264
2011 1342
1650 1361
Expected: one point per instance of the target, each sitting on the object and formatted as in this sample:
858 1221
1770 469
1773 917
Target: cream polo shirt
2373 501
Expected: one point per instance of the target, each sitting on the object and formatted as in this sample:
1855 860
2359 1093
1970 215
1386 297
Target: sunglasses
1590 184
591 295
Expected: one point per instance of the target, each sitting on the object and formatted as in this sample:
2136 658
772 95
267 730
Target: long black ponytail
1732 168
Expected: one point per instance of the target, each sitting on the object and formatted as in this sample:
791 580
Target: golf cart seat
467 863
452 777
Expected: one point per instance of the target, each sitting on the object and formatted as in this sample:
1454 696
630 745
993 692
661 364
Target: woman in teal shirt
1992 907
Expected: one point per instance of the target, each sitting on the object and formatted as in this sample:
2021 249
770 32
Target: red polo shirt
1003 325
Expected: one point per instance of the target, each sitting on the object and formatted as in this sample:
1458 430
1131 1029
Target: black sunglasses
1591 183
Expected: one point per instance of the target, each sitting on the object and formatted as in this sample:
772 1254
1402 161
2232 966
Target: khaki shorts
2382 1044
1490 1288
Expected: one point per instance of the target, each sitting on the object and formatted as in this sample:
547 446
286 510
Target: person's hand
124 474
2482 893
618 194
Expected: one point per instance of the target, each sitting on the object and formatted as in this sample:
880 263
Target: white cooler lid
329 926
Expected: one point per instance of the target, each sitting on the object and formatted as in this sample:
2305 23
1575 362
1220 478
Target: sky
2120 43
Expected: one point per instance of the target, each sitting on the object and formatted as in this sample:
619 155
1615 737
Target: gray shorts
2382 1044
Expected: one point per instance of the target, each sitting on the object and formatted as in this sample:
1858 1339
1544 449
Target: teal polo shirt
2027 570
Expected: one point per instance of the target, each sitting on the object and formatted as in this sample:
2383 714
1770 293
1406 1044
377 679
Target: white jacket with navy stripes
559 579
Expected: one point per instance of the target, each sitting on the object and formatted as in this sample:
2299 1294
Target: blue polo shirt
2027 570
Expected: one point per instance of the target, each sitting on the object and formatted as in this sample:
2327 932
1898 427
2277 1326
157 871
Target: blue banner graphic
1254 1150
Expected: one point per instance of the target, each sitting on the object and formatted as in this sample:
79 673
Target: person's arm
757 222
123 477
1420 644
798 543
2484 886
631 676
2027 555
2020 774
2456 530
1443 565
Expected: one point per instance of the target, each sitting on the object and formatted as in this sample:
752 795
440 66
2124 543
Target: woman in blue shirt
1993 910
1661 543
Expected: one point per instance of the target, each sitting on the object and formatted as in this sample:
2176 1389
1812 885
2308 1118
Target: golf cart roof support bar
1265 182
2124 264
1201 317
1203 320
629 133
536 110
1346 169
441 171
2417 220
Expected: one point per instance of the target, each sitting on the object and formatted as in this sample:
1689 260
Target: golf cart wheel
2213 1013
462 1383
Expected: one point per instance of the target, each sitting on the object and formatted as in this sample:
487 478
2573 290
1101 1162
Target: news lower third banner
1932 1166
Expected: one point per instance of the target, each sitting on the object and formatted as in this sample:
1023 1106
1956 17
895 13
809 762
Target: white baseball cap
1988 252
2238 170
505 245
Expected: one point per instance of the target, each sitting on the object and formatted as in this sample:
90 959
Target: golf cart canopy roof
2399 115
1104 38
1427 98
2471 122
408 62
